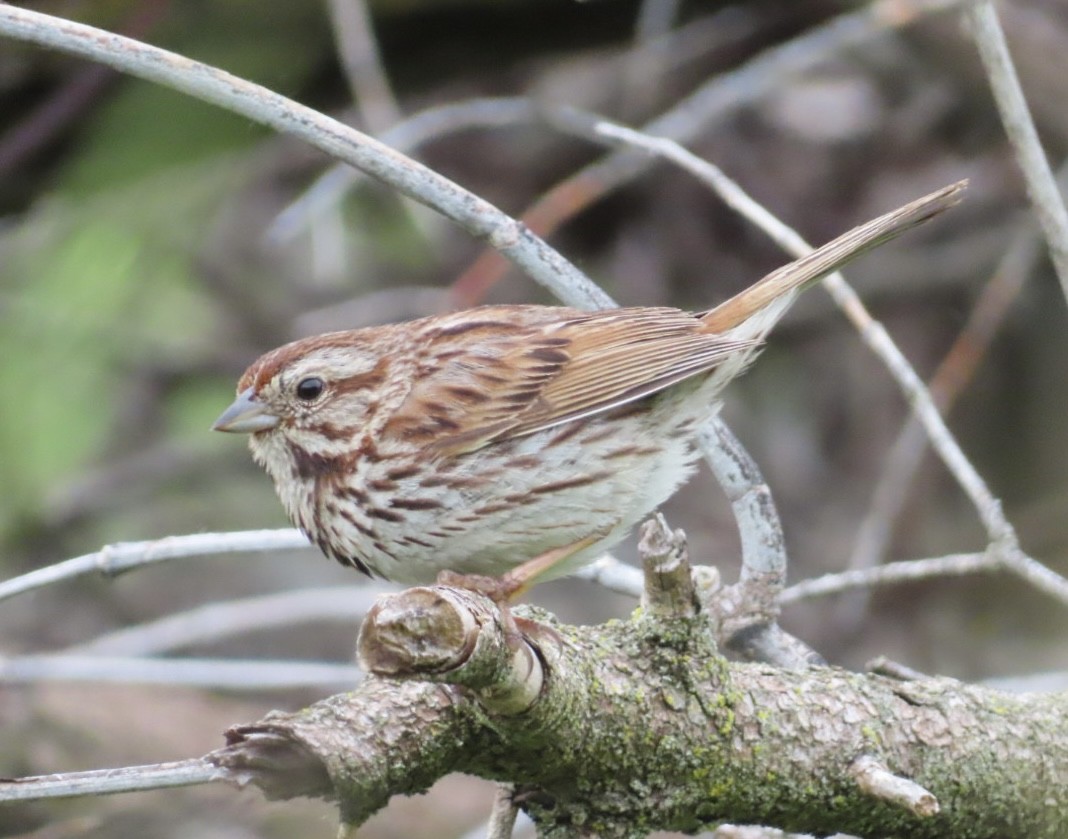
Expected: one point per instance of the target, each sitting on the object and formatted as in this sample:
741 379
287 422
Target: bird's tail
771 296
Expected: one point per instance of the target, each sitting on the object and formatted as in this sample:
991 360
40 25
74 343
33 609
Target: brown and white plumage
476 440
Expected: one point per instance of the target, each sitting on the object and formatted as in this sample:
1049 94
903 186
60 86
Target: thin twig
122 557
112 560
759 527
989 38
180 773
1034 572
609 572
958 366
669 590
371 92
995 558
954 565
655 19
875 779
226 674
215 621
327 190
366 77
645 66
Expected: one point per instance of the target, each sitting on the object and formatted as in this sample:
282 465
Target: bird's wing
496 378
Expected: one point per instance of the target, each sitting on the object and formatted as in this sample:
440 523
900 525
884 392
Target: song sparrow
475 441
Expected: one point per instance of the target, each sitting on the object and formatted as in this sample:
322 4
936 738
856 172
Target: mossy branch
642 725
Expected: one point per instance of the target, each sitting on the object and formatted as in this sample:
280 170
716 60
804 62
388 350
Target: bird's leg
505 589
509 586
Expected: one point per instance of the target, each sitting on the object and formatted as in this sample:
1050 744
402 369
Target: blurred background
151 246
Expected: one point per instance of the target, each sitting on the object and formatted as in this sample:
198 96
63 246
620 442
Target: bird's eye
309 388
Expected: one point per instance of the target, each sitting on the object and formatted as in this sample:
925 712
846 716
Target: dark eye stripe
373 378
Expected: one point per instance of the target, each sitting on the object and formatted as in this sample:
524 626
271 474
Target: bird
509 444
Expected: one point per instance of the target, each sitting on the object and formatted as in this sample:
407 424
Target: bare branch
440 121
792 735
645 66
477 216
955 565
1034 572
358 51
181 773
228 674
883 666
892 572
995 558
759 526
214 621
614 575
956 369
112 560
989 38
614 689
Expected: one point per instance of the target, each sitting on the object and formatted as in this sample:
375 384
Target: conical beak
245 416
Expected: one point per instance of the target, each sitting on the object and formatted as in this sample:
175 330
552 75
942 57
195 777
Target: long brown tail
785 282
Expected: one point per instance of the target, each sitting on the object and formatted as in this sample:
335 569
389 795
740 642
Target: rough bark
641 725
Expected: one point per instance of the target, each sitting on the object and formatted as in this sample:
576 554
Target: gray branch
982 20
210 84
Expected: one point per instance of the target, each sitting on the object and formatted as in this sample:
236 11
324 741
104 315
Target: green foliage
144 128
93 289
99 277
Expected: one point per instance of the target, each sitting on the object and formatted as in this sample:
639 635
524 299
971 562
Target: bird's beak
245 416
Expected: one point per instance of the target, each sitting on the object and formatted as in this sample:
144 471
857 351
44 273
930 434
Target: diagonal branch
477 216
989 38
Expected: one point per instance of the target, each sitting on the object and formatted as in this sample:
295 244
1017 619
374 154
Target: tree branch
651 729
982 19
477 216
120 557
182 773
